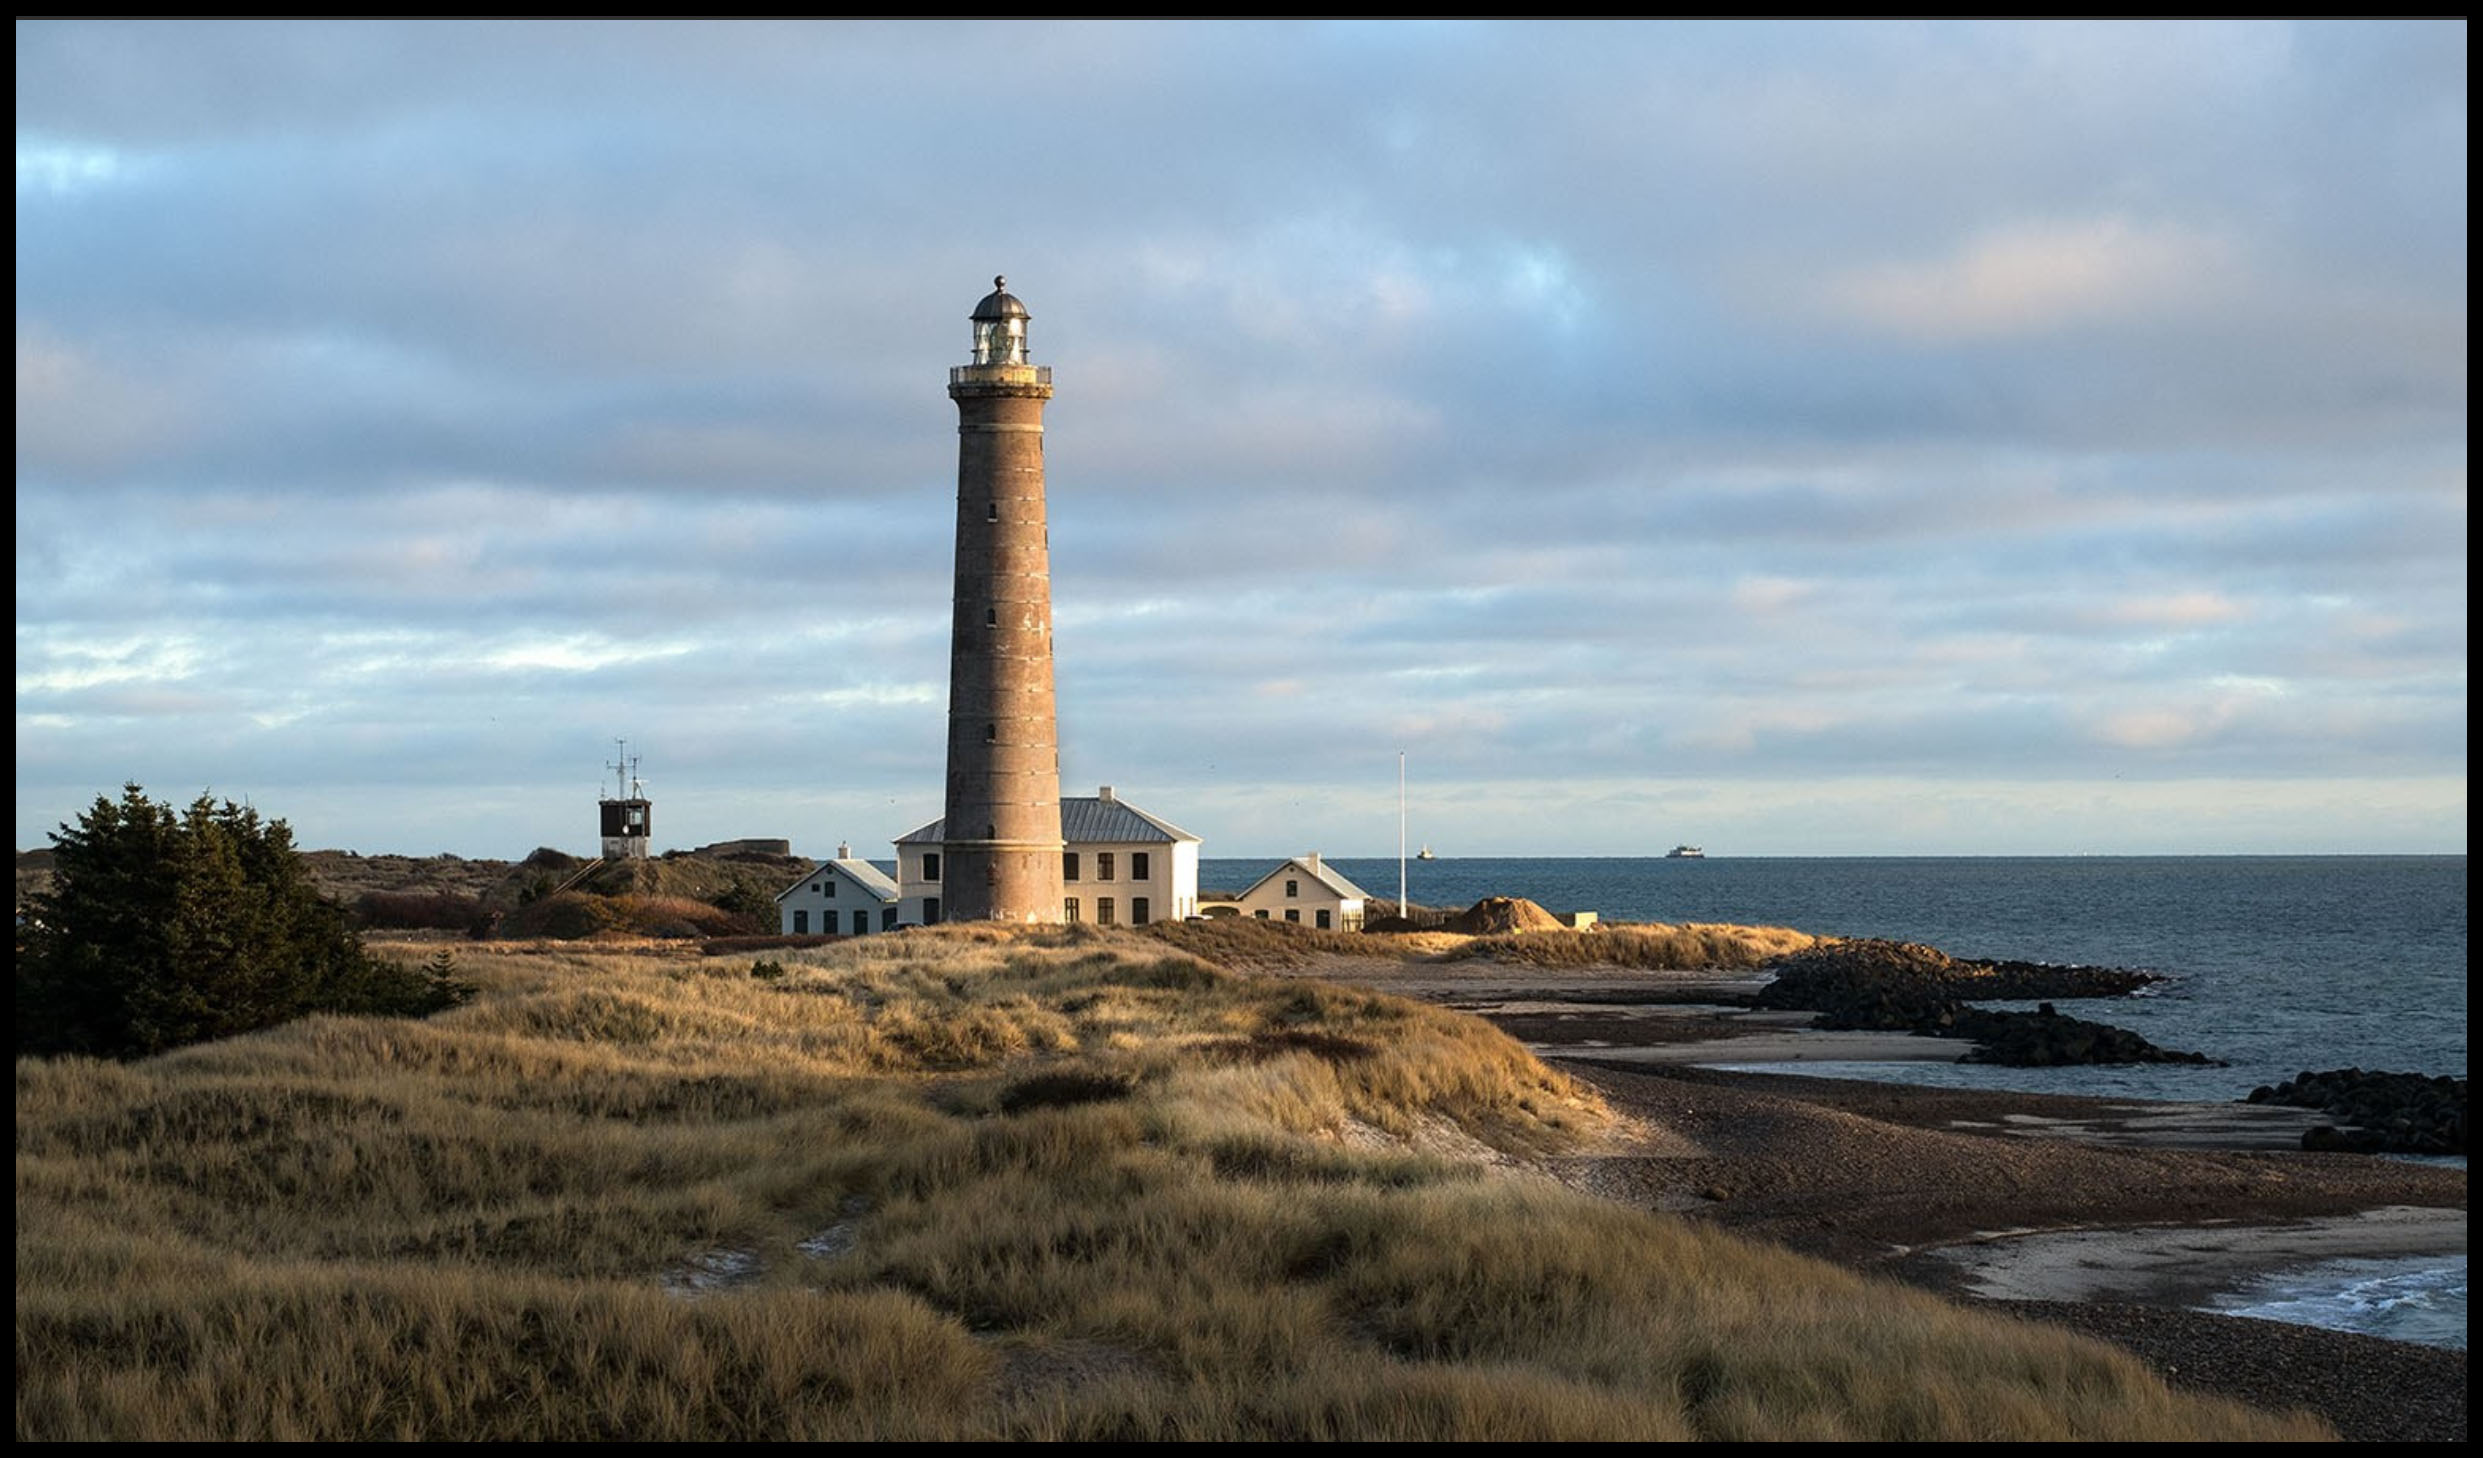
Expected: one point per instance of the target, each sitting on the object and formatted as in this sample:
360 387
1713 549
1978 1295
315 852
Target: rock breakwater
2394 1113
1907 987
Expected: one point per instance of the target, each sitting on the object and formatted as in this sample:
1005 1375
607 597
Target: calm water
2279 964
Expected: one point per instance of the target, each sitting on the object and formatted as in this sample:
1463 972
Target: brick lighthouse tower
1001 833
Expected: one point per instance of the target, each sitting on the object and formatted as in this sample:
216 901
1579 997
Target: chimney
1314 861
844 851
1104 793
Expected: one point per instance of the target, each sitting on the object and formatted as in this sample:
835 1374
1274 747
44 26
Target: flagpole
1400 835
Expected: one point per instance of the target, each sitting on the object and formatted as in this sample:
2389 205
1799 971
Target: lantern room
1000 327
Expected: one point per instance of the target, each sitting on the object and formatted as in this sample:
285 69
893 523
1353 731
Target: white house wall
812 900
1170 887
1185 877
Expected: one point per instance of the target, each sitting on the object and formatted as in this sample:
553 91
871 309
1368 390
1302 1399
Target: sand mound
1495 914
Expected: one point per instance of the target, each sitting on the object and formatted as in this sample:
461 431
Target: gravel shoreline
2370 1390
1875 1176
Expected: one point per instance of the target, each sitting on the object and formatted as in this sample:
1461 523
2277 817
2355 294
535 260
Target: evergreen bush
166 927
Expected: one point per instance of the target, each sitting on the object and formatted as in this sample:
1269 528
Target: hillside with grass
950 1183
1640 946
679 893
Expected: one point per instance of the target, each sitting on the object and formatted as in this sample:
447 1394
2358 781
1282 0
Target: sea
2275 965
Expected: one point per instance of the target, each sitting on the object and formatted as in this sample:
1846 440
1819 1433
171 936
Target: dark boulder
1907 987
2401 1113
2046 1039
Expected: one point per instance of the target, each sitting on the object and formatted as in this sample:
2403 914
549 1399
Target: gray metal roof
999 304
861 872
1323 873
1084 820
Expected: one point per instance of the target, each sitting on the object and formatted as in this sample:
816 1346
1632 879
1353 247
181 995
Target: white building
1305 891
843 896
1120 866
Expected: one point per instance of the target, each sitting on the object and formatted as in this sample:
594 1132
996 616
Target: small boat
1685 853
1425 854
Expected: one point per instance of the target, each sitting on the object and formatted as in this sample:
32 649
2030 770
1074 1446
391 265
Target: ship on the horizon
1425 854
1685 853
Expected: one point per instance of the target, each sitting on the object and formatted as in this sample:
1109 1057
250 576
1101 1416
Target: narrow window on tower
991 617
991 512
991 734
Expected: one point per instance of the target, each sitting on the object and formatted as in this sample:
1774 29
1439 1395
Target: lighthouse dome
999 303
999 327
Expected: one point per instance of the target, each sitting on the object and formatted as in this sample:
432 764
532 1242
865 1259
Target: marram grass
1639 946
945 1184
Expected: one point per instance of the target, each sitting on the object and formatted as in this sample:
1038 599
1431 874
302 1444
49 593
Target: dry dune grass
944 1184
1243 941
1654 946
1649 946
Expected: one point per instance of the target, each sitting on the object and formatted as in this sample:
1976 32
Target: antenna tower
625 783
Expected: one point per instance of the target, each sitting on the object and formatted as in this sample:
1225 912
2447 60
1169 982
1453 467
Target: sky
1787 438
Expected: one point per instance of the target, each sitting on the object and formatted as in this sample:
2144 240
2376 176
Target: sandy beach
2110 1216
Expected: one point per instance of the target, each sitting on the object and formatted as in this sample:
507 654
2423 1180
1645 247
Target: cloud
1786 406
82 412
1770 595
2176 610
2037 278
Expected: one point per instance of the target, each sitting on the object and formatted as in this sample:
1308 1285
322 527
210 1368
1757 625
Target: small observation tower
626 822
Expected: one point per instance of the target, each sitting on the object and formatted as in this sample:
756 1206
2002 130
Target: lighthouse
1001 836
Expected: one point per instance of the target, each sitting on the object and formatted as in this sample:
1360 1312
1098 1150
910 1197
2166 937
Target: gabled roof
1084 820
1323 873
861 872
1087 818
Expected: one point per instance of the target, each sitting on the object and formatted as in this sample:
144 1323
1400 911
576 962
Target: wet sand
2185 1265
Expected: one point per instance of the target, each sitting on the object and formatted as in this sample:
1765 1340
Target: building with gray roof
1307 891
843 896
1119 865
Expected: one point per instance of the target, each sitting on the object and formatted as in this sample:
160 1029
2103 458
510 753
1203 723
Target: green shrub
747 903
165 927
407 910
